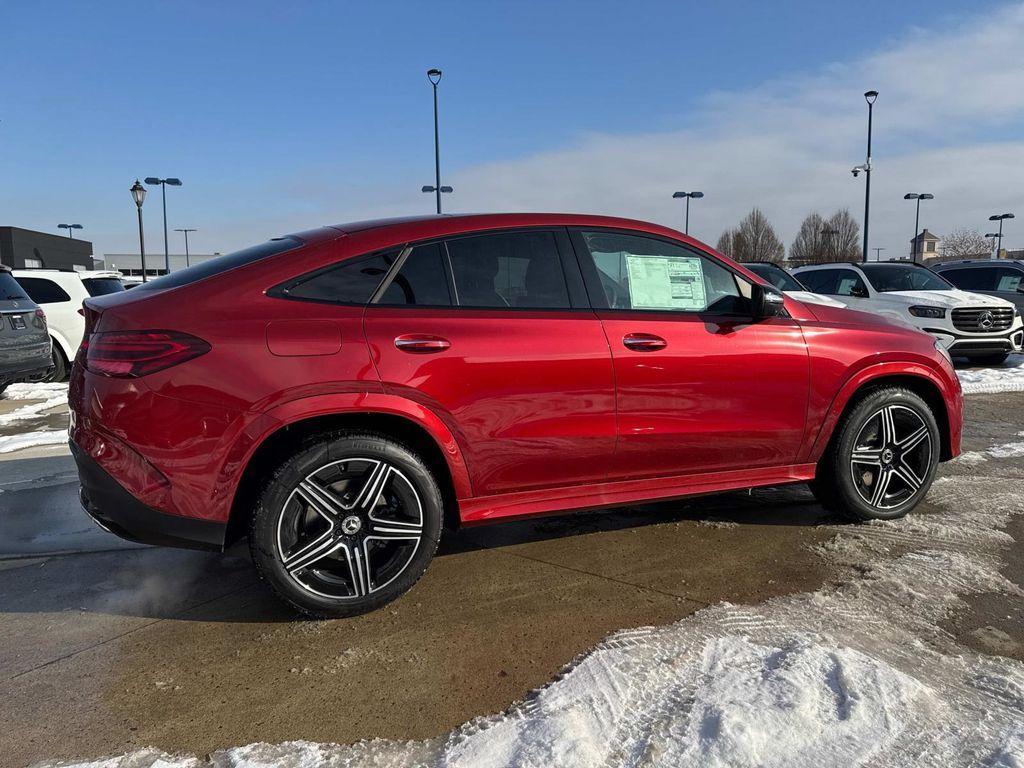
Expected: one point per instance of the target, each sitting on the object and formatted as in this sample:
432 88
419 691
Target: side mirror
768 302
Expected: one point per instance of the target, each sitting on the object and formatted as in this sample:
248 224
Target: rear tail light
129 354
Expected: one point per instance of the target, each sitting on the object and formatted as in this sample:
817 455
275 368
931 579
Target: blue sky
283 116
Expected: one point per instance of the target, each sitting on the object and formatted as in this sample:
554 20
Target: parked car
1002 278
24 339
789 285
60 293
982 328
338 394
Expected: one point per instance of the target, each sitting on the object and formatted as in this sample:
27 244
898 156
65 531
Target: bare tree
845 245
821 240
753 240
964 244
809 244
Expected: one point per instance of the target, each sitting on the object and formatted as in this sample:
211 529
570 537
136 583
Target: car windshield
9 288
903 277
777 276
101 286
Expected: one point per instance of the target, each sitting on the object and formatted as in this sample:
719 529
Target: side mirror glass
768 302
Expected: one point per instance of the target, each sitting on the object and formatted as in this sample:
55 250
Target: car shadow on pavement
158 583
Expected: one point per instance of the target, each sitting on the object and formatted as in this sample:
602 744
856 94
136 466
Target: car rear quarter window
834 282
422 280
10 290
353 281
43 291
520 270
101 286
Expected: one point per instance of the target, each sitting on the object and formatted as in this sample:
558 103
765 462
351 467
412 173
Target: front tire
347 523
882 459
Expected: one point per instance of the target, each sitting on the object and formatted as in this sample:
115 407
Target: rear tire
60 365
346 524
997 359
882 458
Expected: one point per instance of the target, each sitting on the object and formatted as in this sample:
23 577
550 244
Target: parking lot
129 646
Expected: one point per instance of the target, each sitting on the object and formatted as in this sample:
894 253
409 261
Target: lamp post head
173 182
911 196
991 234
138 193
444 189
927 196
434 75
997 217
154 180
687 194
870 96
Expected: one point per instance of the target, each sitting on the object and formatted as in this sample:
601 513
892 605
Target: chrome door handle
643 342
421 343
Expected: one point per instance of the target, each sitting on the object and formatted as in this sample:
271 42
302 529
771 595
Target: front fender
947 386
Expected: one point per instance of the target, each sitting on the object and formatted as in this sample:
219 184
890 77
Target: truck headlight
924 311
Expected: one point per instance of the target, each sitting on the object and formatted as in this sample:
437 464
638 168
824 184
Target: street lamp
869 97
919 196
434 76
69 227
991 248
163 186
186 231
878 253
687 195
1000 217
829 233
139 196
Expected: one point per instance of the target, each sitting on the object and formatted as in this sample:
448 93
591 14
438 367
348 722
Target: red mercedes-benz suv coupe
341 395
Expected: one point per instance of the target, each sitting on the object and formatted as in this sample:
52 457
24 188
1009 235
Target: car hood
815 298
948 299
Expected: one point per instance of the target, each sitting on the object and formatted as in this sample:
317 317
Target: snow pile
37 391
1008 377
50 396
860 673
11 443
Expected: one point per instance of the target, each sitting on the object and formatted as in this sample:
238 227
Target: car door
493 333
700 386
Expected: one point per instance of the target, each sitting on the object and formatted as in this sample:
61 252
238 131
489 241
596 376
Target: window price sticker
666 282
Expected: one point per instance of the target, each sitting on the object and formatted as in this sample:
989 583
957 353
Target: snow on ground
857 673
50 396
11 443
1008 377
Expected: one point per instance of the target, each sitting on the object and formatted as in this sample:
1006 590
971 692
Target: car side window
422 280
834 282
972 279
645 273
351 282
509 269
849 283
1009 279
43 291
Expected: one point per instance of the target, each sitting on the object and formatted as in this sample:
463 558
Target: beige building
924 247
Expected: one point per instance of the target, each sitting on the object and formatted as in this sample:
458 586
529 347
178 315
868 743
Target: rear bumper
28 369
115 509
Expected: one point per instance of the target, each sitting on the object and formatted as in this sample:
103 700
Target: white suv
60 293
982 328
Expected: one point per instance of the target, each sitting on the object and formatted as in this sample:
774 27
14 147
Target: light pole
688 196
69 228
163 186
919 196
186 231
434 76
992 254
139 196
878 253
1000 217
829 233
869 97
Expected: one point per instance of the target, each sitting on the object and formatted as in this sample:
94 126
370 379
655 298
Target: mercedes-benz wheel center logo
986 320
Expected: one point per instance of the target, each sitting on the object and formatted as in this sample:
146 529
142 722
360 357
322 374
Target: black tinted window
777 276
222 264
422 280
9 288
980 279
903 277
834 282
43 291
351 282
512 269
101 286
